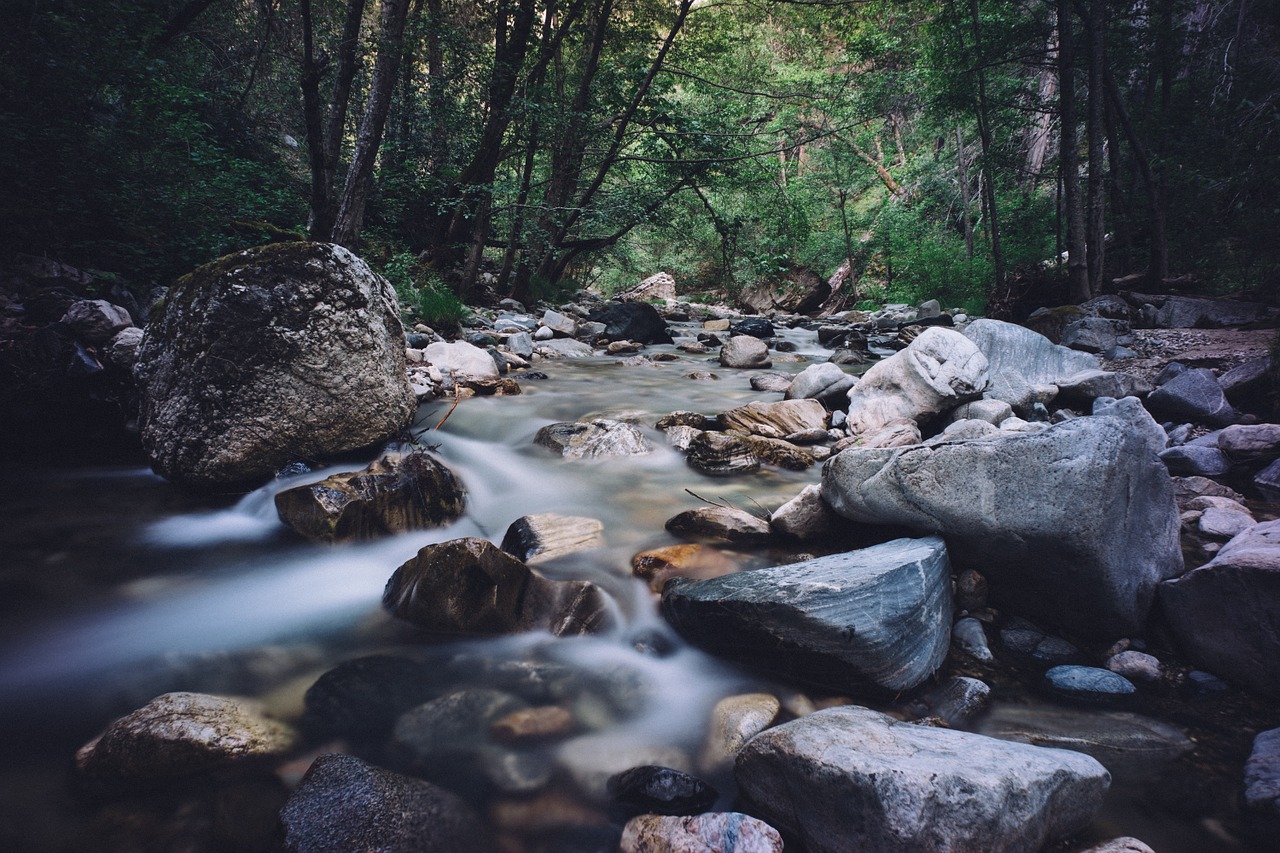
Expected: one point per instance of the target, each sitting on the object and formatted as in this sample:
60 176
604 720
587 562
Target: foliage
422 295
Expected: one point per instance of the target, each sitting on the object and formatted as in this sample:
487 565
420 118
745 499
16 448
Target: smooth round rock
651 789
1089 684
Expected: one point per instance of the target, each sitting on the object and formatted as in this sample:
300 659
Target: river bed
117 586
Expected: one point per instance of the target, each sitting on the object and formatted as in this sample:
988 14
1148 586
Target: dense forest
971 151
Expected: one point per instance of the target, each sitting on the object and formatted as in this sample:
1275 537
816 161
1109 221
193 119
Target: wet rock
689 560
547 536
563 348
845 357
590 760
875 620
776 420
96 321
681 437
1226 614
756 327
601 437
464 364
393 494
1025 640
178 735
1135 666
805 517
1089 685
1195 395
777 451
283 352
971 638
1118 845
771 382
632 321
851 773
745 351
651 789
689 419
362 698
1262 775
720 455
549 813
1129 745
822 381
734 721
698 834
446 740
531 725
813 435
343 803
720 524
1034 512
470 587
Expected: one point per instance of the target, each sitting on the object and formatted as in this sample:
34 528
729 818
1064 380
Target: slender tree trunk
313 121
1041 130
1158 263
1096 202
966 221
1069 158
355 193
984 133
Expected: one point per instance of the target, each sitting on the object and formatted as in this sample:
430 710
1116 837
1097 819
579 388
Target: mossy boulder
282 352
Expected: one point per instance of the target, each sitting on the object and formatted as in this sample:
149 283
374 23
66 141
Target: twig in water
457 398
724 504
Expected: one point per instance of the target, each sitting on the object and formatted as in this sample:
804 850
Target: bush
422 294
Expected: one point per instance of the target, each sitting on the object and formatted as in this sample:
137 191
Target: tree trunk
966 221
984 133
1069 158
355 193
1041 130
1097 126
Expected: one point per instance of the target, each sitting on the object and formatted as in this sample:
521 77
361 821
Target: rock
775 420
650 789
1254 443
1131 411
547 536
896 434
971 638
96 321
800 290
283 352
850 776
991 411
805 517
1246 384
342 803
469 587
820 381
1026 353
771 382
632 321
532 725
720 325
1089 385
1025 640
720 524
688 560
1129 745
719 831
1118 845
521 344
1226 614
122 349
720 455
846 356
971 590
1088 685
875 620
362 698
395 493
559 324
1135 666
563 348
756 327
1262 774
959 700
745 351
1188 488
1185 312
681 437
590 331
659 287
1194 394
777 451
1267 482
1190 460
1034 513
1218 523
734 721
691 419
1093 334
601 437
590 760
464 363
939 370
446 740
178 735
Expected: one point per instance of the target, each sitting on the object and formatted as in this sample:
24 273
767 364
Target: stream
116 586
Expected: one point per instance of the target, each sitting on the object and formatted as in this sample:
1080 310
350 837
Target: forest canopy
969 150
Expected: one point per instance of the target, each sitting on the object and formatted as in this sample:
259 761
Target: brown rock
533 724
720 523
689 560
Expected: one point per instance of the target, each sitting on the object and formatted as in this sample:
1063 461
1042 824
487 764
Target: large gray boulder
1226 613
1035 513
1194 394
939 370
875 621
820 382
283 352
1009 347
849 778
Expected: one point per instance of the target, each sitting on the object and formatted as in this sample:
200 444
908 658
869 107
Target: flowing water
118 586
